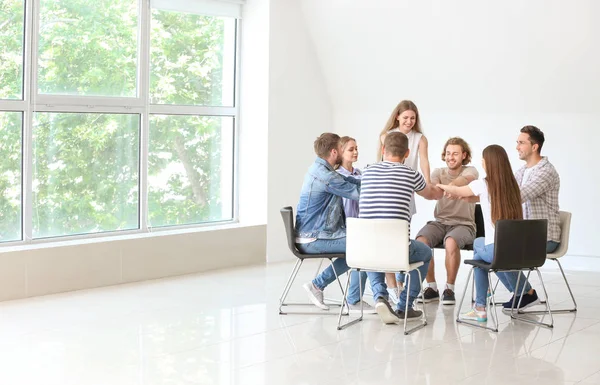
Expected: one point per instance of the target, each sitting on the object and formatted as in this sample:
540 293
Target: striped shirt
387 188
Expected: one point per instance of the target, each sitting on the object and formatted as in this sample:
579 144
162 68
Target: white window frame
140 104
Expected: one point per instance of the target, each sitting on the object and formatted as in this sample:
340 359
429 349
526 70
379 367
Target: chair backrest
479 224
520 244
565 230
287 214
377 244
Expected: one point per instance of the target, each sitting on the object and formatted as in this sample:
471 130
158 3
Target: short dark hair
325 143
396 144
536 136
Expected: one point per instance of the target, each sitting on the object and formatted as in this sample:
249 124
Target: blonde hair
344 140
392 122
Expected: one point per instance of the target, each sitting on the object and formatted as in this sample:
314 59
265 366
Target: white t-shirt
479 188
525 177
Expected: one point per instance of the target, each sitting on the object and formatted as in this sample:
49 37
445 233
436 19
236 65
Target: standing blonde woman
405 118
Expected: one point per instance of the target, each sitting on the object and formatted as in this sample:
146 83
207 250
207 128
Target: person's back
387 189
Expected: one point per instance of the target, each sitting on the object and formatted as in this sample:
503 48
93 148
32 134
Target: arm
424 158
431 192
468 175
536 186
459 191
346 187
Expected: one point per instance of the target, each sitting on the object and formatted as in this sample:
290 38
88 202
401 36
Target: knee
450 245
424 240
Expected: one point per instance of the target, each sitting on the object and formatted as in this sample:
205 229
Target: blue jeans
484 252
417 252
327 276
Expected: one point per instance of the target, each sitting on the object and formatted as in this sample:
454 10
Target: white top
414 138
525 178
479 188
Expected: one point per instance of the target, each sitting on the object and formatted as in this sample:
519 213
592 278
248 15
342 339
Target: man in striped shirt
386 191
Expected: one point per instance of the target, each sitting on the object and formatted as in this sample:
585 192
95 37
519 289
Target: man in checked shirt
539 183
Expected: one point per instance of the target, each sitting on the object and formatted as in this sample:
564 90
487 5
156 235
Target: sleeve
420 183
470 171
478 187
346 187
436 176
537 185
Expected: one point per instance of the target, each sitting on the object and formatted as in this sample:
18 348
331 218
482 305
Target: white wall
478 70
299 111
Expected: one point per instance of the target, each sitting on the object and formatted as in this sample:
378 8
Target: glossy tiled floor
223 328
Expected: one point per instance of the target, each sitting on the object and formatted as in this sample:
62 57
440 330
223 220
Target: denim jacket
320 213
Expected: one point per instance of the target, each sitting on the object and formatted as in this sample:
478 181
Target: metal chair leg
566 310
493 307
516 314
346 305
288 286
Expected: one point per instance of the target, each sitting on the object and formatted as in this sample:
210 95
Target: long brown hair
505 195
393 122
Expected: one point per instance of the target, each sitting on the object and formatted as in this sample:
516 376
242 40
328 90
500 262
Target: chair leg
346 305
516 314
331 300
493 307
567 310
288 286
423 316
462 299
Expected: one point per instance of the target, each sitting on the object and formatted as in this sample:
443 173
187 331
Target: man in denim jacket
320 220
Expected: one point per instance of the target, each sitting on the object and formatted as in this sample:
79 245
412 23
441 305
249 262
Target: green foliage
86 166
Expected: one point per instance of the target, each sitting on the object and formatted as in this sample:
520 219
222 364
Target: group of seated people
333 190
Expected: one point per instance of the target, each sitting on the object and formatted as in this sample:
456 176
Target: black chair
287 214
519 245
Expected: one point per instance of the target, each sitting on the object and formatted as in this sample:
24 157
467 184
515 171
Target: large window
12 26
116 115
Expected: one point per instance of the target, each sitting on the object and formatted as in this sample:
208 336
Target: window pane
12 19
190 170
192 59
88 47
11 124
85 173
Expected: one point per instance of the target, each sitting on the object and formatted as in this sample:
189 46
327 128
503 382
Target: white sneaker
355 309
393 295
315 295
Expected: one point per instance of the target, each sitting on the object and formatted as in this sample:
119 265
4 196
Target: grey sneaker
430 295
448 297
315 295
355 308
412 314
385 312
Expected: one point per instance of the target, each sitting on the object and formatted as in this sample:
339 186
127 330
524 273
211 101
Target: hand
450 196
442 186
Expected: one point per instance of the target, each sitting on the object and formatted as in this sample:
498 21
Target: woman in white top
500 198
405 118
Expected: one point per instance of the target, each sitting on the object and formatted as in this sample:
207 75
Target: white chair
379 245
561 250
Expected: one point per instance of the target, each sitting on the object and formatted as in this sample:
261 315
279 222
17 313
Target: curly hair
459 142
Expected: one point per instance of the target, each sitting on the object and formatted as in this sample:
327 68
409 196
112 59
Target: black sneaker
412 314
527 301
448 297
429 295
385 311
